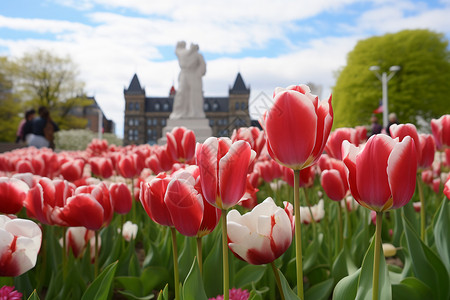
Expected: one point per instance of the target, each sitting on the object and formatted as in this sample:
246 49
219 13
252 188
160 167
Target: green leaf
193 285
343 264
320 291
153 278
130 284
347 287
366 277
249 274
441 232
410 288
164 294
426 265
311 254
212 270
185 257
34 296
288 292
132 296
101 286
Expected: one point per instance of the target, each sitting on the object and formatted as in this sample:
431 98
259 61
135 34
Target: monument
188 102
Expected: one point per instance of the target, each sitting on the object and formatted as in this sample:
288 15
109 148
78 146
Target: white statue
188 102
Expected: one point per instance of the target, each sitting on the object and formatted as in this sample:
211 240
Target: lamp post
384 78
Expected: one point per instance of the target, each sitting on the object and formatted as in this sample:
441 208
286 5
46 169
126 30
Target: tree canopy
44 79
420 89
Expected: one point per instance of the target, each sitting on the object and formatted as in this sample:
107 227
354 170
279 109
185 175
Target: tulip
181 144
427 150
252 135
334 143
77 239
152 199
297 127
12 195
441 131
261 235
312 214
447 189
129 230
20 241
102 167
381 177
389 250
121 197
72 170
129 166
223 170
333 184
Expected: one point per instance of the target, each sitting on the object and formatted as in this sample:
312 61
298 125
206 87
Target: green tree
420 89
43 79
11 109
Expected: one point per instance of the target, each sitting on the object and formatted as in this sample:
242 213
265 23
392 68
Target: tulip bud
389 250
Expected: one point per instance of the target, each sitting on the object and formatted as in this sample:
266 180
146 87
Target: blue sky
272 43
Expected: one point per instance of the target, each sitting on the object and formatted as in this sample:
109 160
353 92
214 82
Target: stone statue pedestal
200 127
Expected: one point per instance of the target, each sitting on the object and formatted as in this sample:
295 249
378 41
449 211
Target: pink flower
261 235
20 241
223 170
381 175
234 294
181 144
12 195
121 197
441 131
8 293
297 126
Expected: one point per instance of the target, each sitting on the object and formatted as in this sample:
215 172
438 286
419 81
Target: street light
384 77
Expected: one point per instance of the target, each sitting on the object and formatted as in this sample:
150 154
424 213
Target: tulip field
293 211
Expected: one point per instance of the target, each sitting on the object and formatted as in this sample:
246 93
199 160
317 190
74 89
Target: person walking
43 129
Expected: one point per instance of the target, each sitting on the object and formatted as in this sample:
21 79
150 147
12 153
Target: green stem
340 228
64 253
226 279
176 274
96 255
347 216
298 234
277 279
199 254
376 256
422 208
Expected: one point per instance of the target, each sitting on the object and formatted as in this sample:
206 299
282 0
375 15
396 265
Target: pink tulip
333 184
20 241
334 143
130 166
297 127
403 130
72 170
152 199
306 176
252 135
121 197
441 131
223 170
12 195
427 150
447 189
381 175
181 144
261 235
102 166
77 239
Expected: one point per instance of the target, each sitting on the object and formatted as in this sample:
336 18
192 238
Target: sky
271 43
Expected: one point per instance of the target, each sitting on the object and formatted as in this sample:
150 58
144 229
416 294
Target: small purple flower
8 293
235 294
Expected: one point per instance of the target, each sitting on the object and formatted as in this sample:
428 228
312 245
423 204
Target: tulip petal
233 170
292 115
207 162
401 172
371 177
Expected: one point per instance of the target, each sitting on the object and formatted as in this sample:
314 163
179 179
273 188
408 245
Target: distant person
43 129
376 127
392 120
21 130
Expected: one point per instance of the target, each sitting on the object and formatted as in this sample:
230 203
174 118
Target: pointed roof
239 86
134 88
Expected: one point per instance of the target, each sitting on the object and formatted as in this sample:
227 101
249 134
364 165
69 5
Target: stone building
145 117
92 113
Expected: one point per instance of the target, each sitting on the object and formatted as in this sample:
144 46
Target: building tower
134 127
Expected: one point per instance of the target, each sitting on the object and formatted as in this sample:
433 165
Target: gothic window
137 106
130 106
130 122
155 122
206 106
243 106
236 106
149 122
165 106
163 122
157 106
136 122
215 106
211 122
